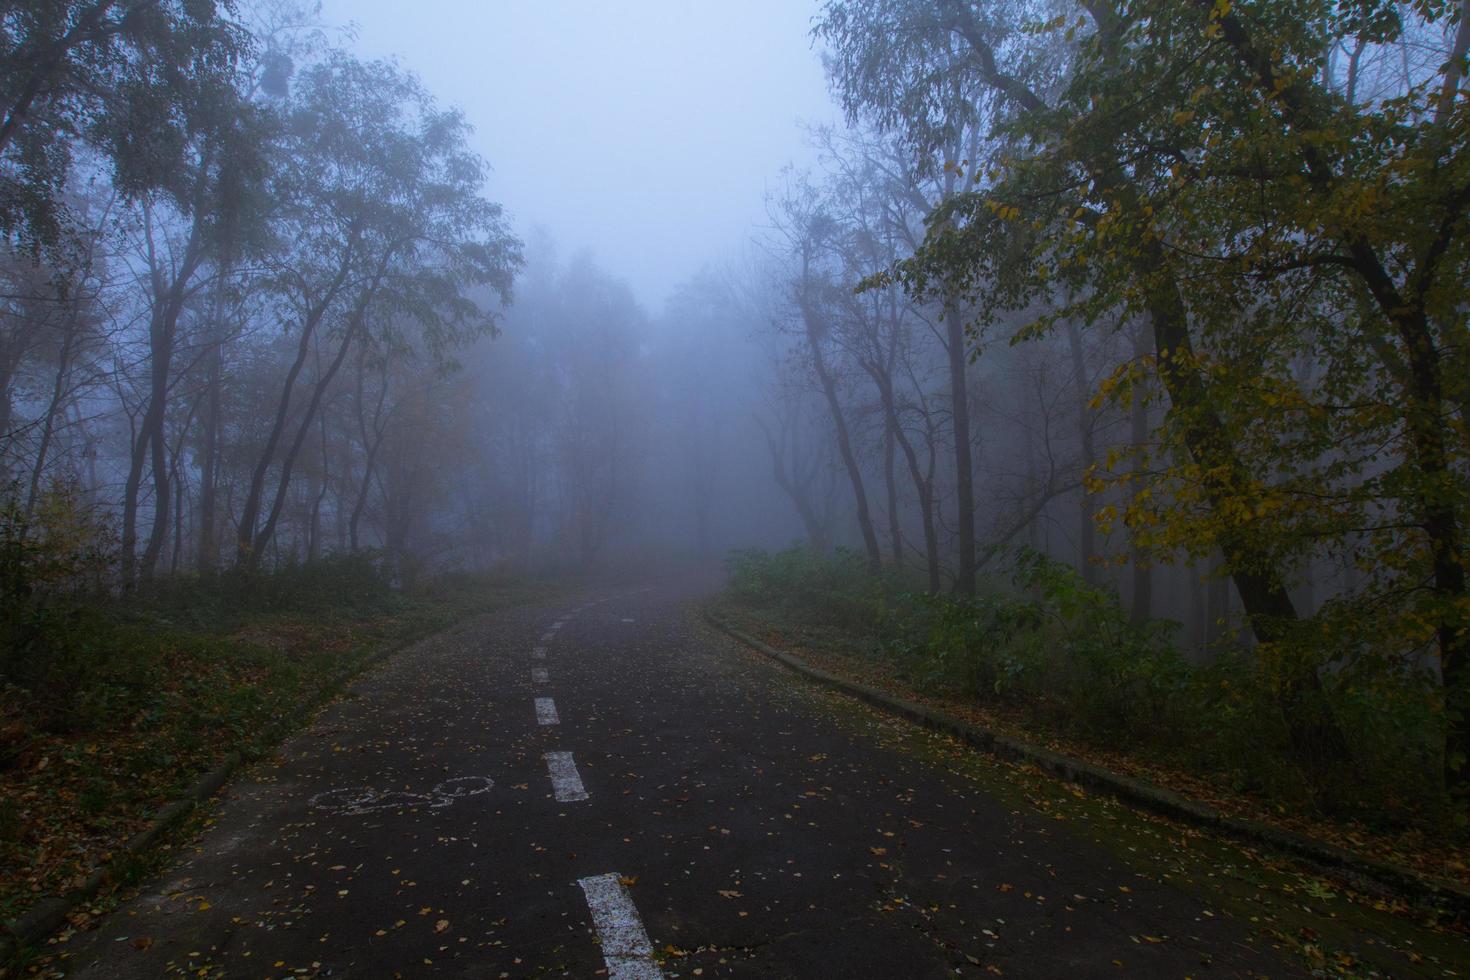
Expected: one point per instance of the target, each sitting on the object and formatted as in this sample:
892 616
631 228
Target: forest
1104 363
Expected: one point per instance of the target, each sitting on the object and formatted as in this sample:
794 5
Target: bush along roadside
1042 657
114 714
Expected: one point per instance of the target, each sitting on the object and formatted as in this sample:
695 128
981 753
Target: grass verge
1049 661
131 702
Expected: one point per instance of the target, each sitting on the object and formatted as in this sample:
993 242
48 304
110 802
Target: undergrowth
110 705
1040 641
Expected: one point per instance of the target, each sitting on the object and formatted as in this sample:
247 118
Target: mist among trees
1156 311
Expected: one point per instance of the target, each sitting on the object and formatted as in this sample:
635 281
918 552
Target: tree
384 208
1311 215
123 77
977 237
812 240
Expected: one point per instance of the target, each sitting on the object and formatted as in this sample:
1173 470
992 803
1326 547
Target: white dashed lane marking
546 712
538 653
547 637
539 675
625 945
566 782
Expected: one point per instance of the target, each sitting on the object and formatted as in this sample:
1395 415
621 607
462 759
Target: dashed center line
540 675
625 945
538 653
547 637
566 782
546 712
558 625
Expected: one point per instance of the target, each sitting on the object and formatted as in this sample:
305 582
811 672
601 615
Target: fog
588 288
645 132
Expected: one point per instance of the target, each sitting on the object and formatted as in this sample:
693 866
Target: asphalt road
630 794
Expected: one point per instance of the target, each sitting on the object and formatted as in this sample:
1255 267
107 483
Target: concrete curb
1365 874
47 915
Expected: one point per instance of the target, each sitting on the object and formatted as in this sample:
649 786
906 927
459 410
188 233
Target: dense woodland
1171 292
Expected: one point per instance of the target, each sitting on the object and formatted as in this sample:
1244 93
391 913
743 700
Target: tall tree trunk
814 331
1087 528
207 559
1138 434
245 537
895 529
178 548
158 533
54 405
795 487
168 304
288 462
314 524
923 485
1422 385
959 404
372 438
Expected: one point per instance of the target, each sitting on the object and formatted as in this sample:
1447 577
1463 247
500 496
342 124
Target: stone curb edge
47 915
1365 873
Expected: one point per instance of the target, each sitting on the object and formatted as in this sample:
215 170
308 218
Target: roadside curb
1367 874
47 915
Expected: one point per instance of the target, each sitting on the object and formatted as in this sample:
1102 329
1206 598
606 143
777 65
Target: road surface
602 786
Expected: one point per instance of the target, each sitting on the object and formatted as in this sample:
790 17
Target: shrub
1069 656
54 561
831 590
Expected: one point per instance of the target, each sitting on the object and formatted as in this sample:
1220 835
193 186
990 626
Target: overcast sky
645 130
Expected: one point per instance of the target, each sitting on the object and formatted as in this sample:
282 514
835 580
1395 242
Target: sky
647 131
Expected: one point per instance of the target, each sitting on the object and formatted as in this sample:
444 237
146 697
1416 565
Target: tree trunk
895 529
1143 582
796 488
288 463
959 404
314 524
1087 528
58 393
168 304
245 538
839 422
372 438
208 550
158 533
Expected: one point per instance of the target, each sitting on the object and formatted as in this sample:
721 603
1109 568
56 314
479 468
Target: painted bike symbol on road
358 800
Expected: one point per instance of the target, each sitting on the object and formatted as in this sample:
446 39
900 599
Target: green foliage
838 589
54 561
1294 233
109 708
131 80
347 583
1055 642
1066 655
